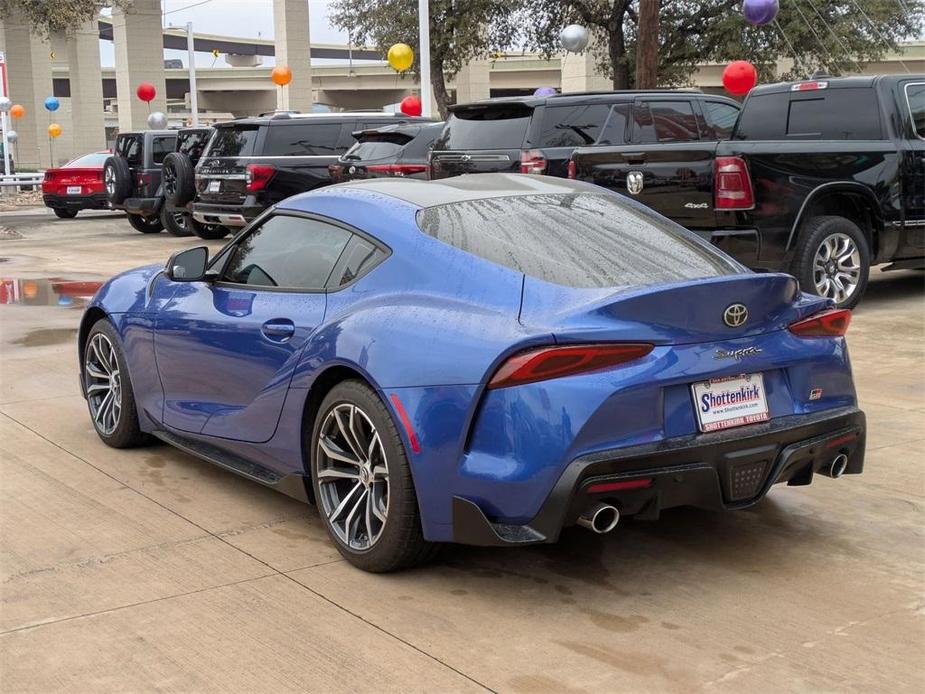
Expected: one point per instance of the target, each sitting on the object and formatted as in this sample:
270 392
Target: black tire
146 225
176 222
117 179
64 213
207 232
400 543
126 432
179 180
848 266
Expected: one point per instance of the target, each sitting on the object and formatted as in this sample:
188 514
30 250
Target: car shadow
888 287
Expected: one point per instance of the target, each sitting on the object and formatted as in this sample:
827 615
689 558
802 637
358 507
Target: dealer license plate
722 403
74 190
215 186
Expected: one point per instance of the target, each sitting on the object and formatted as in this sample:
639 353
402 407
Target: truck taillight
572 169
257 177
732 186
398 169
532 161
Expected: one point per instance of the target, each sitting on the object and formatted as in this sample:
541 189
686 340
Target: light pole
424 51
4 129
193 96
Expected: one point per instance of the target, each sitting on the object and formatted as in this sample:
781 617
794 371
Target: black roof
286 118
411 129
467 187
854 81
584 97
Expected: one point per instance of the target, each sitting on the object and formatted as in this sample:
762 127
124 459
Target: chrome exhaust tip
600 518
837 466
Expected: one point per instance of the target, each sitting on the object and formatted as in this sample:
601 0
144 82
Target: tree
460 30
51 16
834 36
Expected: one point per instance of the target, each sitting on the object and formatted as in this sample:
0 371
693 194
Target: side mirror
189 265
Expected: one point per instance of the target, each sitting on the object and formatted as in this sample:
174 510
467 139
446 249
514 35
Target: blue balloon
760 12
544 91
52 103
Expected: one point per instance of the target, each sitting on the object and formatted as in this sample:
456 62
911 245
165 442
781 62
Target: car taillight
832 323
554 362
49 176
732 185
572 169
532 161
257 177
398 169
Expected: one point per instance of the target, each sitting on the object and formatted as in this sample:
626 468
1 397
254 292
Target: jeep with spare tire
132 176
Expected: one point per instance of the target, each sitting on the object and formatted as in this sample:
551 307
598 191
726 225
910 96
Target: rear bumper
723 470
94 201
225 215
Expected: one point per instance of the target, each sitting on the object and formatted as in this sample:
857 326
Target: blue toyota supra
483 359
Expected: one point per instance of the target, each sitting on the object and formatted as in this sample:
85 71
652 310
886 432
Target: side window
359 258
161 147
572 126
303 139
674 121
615 129
288 252
915 99
835 114
721 119
643 127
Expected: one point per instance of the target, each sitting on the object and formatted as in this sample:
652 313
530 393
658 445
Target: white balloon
5 104
12 135
157 120
574 38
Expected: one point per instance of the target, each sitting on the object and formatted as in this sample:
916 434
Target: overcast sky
243 18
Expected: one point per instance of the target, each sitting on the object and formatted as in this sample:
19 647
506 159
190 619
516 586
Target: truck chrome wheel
837 268
103 384
353 476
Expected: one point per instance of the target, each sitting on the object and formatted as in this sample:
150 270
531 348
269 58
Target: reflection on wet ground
46 336
49 291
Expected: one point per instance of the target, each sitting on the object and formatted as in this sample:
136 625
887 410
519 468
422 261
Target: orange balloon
30 289
281 75
54 130
17 111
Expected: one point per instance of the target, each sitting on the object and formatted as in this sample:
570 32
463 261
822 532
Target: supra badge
735 315
737 354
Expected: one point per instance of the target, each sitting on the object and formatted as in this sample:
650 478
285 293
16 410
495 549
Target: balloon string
835 36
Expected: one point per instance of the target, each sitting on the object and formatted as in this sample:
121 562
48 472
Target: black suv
393 150
132 176
538 134
253 163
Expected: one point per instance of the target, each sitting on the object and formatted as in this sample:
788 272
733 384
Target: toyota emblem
735 315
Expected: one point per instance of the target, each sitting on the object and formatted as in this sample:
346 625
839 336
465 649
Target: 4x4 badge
634 182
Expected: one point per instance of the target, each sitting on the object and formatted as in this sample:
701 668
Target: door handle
278 329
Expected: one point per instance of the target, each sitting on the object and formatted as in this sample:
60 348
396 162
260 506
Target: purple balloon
760 12
544 91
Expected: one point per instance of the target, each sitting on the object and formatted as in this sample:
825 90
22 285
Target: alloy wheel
837 267
353 476
170 180
103 383
109 177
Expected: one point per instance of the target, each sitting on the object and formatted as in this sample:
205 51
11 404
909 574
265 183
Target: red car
78 185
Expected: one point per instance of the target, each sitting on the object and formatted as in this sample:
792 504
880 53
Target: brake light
833 323
732 185
257 177
532 161
49 176
808 86
398 169
554 362
572 169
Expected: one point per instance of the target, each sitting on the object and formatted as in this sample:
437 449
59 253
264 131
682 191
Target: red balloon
739 77
411 106
146 92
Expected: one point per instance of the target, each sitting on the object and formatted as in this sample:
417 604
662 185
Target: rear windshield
237 141
823 114
574 125
379 146
576 239
192 143
502 126
302 140
88 161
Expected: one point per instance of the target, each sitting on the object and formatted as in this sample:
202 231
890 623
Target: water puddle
48 291
46 336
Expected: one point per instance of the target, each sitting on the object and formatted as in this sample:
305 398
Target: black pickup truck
822 179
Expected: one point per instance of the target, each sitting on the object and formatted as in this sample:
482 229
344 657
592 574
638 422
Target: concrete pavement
149 570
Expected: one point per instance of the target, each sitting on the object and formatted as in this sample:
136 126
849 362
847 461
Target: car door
226 348
675 159
912 98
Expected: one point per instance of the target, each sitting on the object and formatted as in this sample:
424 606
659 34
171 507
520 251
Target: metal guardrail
19 180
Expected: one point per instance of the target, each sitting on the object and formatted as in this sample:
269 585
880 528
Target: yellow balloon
54 130
401 56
